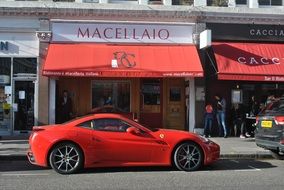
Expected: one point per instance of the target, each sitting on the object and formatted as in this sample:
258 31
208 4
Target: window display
113 95
5 93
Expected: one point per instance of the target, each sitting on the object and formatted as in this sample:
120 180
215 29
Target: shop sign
122 33
4 46
248 32
274 78
260 60
19 44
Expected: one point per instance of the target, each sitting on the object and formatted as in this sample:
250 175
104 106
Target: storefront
18 76
142 69
245 61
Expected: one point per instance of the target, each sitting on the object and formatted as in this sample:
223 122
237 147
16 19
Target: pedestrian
65 107
208 119
269 99
254 106
238 115
254 110
221 115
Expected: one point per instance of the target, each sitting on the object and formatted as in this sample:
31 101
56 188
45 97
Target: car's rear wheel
277 155
188 156
66 158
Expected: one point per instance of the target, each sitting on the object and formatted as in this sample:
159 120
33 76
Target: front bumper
212 153
31 157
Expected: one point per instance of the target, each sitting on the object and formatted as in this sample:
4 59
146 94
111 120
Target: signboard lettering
4 46
122 33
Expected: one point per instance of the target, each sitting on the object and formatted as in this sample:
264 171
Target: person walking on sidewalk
221 115
208 119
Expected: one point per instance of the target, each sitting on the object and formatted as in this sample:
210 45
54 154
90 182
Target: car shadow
18 165
245 164
221 165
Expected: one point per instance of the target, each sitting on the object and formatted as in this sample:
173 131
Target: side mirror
133 130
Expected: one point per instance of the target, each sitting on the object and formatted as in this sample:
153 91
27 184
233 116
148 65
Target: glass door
23 105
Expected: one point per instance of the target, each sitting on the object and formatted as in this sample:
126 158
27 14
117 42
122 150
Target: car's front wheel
277 155
66 158
188 156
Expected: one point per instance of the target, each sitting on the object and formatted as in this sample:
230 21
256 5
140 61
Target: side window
87 124
114 125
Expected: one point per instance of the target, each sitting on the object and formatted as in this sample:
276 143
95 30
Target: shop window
24 66
111 94
270 2
151 92
5 93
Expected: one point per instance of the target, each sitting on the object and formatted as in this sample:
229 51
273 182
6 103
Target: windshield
276 107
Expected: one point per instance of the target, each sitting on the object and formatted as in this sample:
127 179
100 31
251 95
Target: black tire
188 156
66 158
275 154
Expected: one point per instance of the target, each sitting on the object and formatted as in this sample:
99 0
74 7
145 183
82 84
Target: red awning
250 61
92 60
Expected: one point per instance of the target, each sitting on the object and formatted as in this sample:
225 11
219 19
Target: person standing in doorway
65 107
208 120
221 115
238 115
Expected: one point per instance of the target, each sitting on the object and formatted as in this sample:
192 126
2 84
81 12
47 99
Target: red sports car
106 140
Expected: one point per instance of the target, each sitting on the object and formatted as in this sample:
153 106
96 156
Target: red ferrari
107 140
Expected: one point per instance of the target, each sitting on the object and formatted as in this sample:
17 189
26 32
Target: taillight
279 120
256 120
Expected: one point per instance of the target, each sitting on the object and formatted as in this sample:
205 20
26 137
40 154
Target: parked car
109 140
269 132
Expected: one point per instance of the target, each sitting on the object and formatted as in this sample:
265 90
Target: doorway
23 106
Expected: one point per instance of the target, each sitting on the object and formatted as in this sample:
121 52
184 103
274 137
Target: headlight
204 139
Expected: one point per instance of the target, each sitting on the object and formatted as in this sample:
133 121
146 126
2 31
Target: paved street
225 174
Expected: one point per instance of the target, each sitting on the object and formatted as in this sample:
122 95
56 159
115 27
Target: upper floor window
90 1
182 2
155 2
270 2
63 0
218 3
123 1
241 2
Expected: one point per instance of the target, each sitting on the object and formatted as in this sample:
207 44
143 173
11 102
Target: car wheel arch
61 142
186 141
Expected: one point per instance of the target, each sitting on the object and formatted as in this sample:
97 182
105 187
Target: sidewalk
231 148
237 148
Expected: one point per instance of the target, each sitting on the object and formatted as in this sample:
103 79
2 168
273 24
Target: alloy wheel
188 157
66 158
